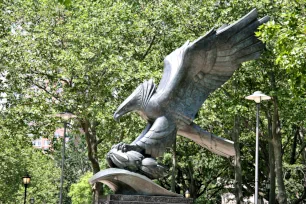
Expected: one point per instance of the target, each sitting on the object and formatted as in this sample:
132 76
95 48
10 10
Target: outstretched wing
213 143
198 68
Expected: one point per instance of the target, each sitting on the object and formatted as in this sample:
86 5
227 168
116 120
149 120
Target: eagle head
137 100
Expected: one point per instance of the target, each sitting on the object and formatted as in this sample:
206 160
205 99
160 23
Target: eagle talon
126 147
135 162
117 146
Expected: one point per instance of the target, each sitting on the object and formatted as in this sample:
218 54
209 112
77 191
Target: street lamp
268 185
65 116
32 200
187 194
26 180
257 96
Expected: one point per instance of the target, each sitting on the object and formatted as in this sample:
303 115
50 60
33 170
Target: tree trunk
277 145
173 167
271 161
193 193
303 197
238 175
92 148
294 144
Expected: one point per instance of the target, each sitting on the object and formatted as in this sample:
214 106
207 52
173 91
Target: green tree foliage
87 56
81 192
285 38
17 156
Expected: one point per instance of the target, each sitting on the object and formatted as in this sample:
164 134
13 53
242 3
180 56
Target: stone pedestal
125 182
141 199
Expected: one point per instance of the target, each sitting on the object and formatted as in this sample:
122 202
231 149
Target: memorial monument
191 73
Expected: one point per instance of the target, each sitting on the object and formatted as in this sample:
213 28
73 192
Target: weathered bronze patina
191 73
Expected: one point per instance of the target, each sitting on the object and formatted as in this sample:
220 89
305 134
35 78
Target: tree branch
45 90
300 151
149 48
99 141
226 92
218 188
212 179
303 197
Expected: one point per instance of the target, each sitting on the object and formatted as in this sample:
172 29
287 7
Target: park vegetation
87 57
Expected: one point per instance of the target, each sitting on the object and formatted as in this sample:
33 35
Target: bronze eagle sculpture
191 73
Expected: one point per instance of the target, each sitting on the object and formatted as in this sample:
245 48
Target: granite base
141 199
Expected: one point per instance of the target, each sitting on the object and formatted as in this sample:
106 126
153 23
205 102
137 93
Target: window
46 143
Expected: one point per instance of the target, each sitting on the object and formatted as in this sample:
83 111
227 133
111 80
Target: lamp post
32 200
257 96
26 180
65 116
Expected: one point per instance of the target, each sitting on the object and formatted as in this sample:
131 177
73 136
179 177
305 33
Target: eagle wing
196 69
160 136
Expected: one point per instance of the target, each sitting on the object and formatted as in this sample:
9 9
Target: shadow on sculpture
191 73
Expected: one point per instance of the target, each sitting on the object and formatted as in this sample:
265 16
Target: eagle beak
120 111
129 104
116 116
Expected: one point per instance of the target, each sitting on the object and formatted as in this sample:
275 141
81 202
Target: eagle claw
129 157
126 147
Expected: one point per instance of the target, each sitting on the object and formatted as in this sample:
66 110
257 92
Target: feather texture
198 68
160 136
